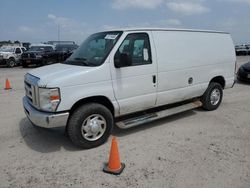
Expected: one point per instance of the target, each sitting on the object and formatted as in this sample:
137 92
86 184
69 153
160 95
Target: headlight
5 56
241 69
49 99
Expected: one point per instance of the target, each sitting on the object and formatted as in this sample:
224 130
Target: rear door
134 82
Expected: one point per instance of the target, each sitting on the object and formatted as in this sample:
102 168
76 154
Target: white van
129 77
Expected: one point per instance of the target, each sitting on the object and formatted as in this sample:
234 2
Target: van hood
63 75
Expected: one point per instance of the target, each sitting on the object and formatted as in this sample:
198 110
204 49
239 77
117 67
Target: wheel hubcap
93 127
215 97
11 63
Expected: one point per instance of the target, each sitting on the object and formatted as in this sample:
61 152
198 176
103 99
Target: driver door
134 82
18 53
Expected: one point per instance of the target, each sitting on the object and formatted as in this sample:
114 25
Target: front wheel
211 99
90 125
11 62
24 64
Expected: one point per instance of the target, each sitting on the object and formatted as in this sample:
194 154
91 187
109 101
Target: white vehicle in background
10 55
129 77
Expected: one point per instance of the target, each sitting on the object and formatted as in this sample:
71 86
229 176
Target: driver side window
18 51
134 50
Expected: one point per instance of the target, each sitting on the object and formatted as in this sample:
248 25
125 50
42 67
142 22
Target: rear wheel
42 63
90 125
211 99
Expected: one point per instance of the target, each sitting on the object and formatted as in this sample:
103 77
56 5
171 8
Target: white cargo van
129 77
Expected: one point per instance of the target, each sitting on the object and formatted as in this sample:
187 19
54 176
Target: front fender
70 95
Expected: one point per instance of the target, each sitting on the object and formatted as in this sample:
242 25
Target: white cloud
62 21
187 8
142 4
25 29
70 29
170 22
239 1
159 23
108 27
51 16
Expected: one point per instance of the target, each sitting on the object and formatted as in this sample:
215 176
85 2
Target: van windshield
94 50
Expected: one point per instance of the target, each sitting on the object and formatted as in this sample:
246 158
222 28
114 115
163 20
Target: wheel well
97 99
220 80
11 58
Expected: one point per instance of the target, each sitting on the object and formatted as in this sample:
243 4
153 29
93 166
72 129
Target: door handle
154 79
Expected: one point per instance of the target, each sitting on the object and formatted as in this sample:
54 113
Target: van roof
167 29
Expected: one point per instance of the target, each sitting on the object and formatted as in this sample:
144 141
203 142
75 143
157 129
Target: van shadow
45 140
161 122
51 140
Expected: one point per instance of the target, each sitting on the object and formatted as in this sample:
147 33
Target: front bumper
30 61
44 119
243 76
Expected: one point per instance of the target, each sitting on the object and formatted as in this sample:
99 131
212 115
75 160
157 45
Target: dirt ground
195 149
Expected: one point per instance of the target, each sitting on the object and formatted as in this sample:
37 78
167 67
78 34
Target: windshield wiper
80 59
84 61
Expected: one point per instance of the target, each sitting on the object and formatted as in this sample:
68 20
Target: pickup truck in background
10 55
43 54
35 55
60 54
242 50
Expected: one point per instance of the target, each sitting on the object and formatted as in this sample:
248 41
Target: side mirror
121 60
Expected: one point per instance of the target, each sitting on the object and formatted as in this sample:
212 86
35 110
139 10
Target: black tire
24 65
208 103
44 62
76 123
11 63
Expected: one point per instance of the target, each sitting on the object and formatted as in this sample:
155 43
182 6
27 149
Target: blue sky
38 21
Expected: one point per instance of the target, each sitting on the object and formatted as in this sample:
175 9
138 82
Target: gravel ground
195 149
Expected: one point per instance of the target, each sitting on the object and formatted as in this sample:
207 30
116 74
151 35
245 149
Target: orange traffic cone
114 166
7 84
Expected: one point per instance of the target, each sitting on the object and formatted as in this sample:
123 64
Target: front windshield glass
36 48
64 48
7 50
94 50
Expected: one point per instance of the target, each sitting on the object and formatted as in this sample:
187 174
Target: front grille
31 89
28 55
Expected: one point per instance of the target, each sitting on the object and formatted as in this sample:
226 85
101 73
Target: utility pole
58 33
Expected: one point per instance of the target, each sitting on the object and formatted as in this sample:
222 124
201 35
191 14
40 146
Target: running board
146 118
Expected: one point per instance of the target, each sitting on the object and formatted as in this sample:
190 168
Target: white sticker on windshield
111 37
145 54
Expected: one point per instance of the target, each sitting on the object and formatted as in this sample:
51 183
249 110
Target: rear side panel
187 61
